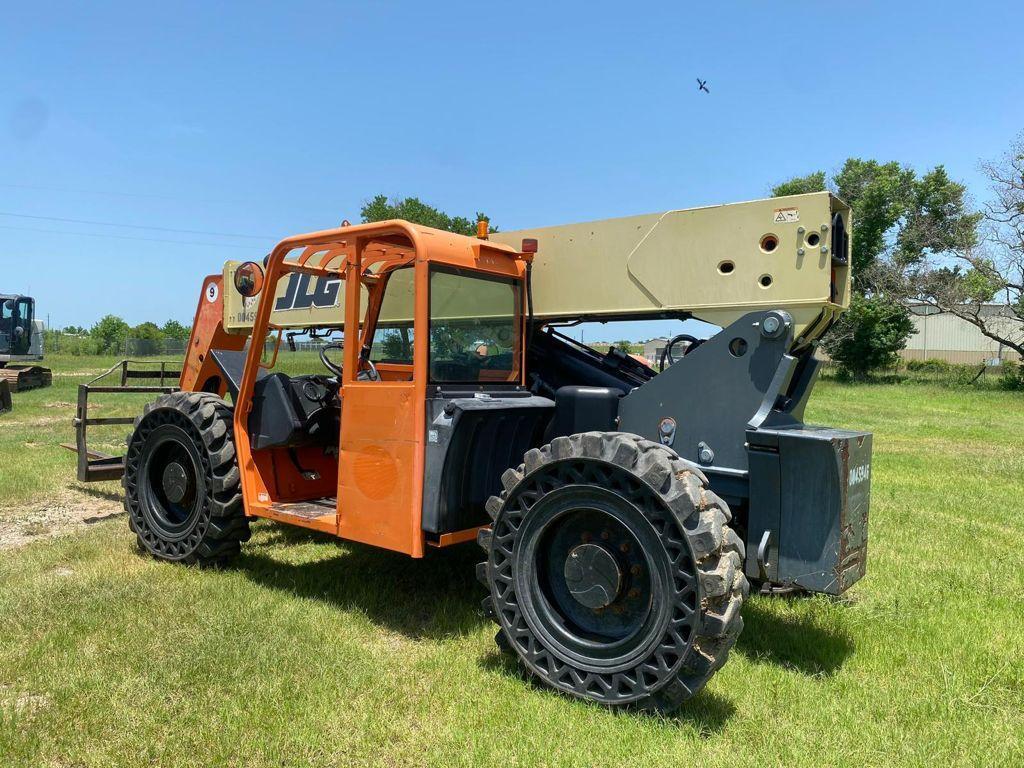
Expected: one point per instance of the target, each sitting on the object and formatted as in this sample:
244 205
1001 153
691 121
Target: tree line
110 334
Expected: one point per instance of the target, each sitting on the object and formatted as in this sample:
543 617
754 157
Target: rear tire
612 571
181 480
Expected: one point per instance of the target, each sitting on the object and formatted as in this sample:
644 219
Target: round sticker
211 292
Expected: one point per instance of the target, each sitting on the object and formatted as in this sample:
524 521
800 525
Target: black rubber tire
198 425
696 585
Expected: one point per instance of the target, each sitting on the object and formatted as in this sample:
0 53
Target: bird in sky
702 85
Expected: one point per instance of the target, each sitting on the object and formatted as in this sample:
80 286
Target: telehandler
622 510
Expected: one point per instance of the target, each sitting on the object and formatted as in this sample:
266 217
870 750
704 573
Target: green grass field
315 652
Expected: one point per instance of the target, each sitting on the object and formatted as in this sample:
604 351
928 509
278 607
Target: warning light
529 245
482 229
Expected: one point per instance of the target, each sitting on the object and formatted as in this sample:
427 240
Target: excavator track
21 378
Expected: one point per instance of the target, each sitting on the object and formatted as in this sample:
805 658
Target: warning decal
785 215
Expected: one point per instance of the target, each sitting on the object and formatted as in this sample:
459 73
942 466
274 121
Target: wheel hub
175 482
593 576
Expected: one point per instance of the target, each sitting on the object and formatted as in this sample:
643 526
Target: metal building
947 337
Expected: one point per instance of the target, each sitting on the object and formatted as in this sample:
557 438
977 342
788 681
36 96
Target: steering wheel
333 368
367 375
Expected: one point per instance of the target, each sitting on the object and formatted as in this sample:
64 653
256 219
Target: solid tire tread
701 516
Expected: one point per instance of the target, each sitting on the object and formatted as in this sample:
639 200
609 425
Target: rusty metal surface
21 378
810 490
118 379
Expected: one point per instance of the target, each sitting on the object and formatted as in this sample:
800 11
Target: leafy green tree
870 335
147 332
146 339
174 330
899 220
396 343
109 334
800 185
380 208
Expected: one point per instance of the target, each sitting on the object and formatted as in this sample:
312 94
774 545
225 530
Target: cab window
393 337
474 327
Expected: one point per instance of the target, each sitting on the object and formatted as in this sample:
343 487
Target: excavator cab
21 343
16 315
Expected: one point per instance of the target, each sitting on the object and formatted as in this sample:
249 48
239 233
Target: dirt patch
21 702
67 511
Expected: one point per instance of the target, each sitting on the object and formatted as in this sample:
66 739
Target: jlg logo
299 296
859 474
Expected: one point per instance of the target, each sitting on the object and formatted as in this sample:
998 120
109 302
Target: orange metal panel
325 524
199 372
458 537
394 371
377 480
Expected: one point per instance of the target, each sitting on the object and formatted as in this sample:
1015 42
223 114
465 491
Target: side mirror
249 279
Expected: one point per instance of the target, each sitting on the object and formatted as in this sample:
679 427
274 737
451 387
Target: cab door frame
380 470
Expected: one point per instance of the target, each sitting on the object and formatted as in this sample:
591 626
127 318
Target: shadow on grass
707 711
96 493
798 643
436 597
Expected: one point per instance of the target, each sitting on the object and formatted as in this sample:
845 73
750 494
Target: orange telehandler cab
621 509
364 481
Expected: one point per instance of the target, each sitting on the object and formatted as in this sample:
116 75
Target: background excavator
623 511
21 343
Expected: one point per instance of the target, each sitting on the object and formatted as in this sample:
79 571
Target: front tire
181 480
612 571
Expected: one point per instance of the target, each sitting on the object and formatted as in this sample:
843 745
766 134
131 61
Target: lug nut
624 547
635 570
605 535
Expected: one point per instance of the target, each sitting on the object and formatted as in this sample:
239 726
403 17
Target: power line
147 195
128 237
135 226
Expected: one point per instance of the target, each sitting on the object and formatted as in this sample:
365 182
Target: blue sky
260 120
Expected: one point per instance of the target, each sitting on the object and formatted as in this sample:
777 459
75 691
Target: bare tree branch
972 277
